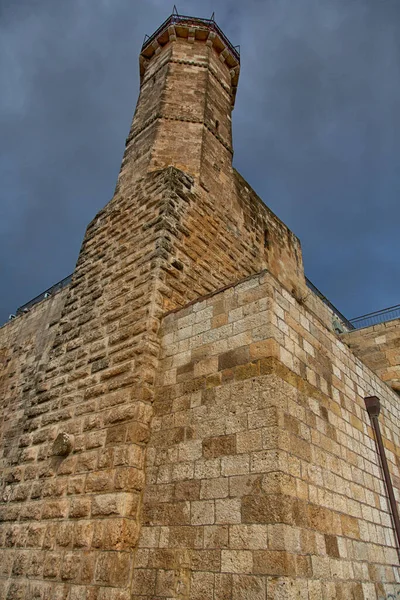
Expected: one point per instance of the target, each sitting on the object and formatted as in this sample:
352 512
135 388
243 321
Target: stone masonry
263 479
182 421
378 346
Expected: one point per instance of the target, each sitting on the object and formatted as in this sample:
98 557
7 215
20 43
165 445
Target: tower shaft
183 115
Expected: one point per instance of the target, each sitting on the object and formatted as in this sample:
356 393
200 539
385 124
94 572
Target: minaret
189 73
182 225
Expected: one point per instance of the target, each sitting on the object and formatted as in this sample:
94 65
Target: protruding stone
223 55
63 444
143 62
235 72
156 46
172 33
211 38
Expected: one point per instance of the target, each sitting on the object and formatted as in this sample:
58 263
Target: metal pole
373 406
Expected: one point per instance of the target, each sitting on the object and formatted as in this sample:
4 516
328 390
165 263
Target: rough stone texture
270 439
220 444
378 347
63 444
183 118
25 343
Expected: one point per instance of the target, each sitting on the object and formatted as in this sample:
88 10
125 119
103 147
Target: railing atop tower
175 19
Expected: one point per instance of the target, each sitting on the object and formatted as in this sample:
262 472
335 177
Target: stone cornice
193 30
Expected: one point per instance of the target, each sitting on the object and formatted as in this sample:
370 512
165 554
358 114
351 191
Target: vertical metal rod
373 406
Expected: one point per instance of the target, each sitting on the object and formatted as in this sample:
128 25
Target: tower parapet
189 73
191 29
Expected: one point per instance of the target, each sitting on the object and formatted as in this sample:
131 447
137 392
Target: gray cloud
316 130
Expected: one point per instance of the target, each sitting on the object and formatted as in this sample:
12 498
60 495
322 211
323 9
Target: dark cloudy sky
316 130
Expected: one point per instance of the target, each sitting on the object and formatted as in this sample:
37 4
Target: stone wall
71 524
378 347
263 479
261 465
183 120
25 344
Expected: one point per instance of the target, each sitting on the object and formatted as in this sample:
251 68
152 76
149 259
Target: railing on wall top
348 324
368 320
375 318
46 294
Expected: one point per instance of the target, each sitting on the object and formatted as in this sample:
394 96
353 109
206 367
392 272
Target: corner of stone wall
260 460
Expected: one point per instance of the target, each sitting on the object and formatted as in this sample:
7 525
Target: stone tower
181 421
188 80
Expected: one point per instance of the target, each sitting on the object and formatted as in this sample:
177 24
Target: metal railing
46 294
368 320
348 324
195 21
379 316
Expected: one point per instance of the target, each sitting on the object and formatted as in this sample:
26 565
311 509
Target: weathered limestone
261 466
166 238
181 421
378 347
